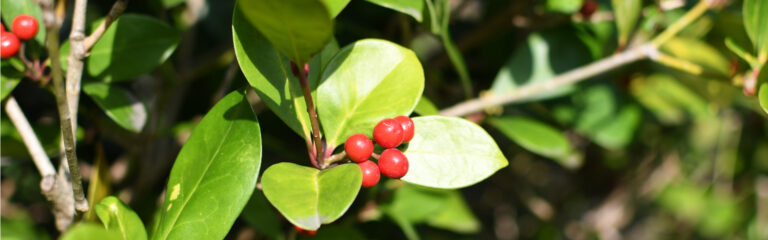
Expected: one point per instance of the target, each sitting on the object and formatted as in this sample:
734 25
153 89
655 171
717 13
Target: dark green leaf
262 217
116 216
413 8
603 119
541 58
215 173
366 82
298 28
449 152
416 204
120 105
539 138
426 107
85 231
626 13
756 22
455 215
618 131
20 227
308 197
12 8
131 46
13 145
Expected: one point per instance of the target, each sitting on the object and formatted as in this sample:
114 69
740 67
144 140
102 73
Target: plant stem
305 89
680 24
333 159
453 53
42 162
680 64
75 59
116 11
570 77
65 118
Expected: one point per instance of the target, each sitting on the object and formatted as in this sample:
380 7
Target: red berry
2 28
358 147
588 8
393 163
371 173
304 231
388 133
407 124
24 26
9 44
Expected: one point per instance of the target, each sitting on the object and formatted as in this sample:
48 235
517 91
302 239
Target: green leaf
12 8
762 96
90 231
425 107
626 13
335 6
308 197
539 138
541 58
20 227
117 216
756 22
618 131
412 8
215 173
564 6
366 82
698 52
132 46
667 99
450 152
416 204
297 28
455 215
7 84
12 145
120 105
603 119
262 217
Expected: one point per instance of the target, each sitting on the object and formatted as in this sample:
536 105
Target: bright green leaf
539 138
541 58
449 152
564 6
413 8
756 22
214 174
426 107
762 96
626 13
120 105
132 46
12 8
7 84
86 231
308 197
366 82
297 28
698 52
117 216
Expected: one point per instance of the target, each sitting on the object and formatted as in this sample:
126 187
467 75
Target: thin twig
684 21
566 78
679 64
42 162
116 11
75 59
65 118
305 89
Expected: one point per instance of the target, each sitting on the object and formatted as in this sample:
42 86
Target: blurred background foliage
645 151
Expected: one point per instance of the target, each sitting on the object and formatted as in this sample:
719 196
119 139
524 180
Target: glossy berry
388 133
9 44
358 147
371 173
2 28
304 231
24 26
407 124
393 163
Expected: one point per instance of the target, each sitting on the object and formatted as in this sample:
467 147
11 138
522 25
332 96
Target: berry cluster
24 27
388 133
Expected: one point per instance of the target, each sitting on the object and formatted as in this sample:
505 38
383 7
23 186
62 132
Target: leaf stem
334 159
65 118
680 64
317 155
453 53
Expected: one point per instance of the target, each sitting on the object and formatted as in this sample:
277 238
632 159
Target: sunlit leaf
413 8
626 13
120 105
90 231
116 216
539 138
309 197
